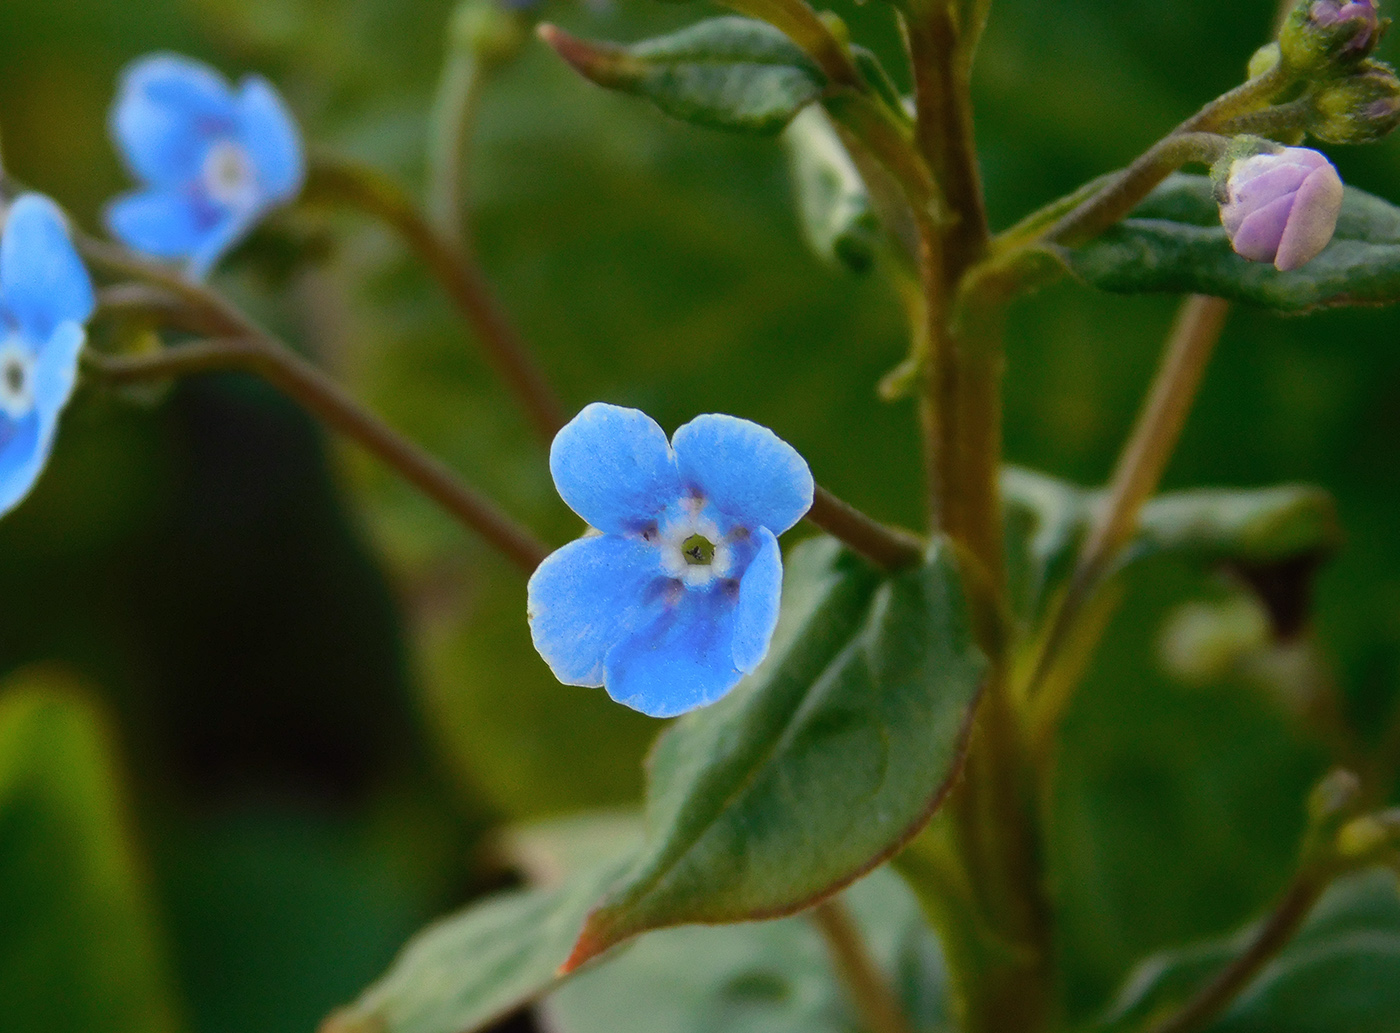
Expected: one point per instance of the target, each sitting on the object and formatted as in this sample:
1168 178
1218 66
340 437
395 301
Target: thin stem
1140 465
258 353
1144 459
451 122
1274 121
1215 118
456 270
1130 186
879 1009
888 547
1276 931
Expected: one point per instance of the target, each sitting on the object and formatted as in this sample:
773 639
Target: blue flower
677 598
45 298
213 160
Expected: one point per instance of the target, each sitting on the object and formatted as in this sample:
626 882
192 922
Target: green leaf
1258 526
820 765
1341 972
726 73
1047 519
79 949
758 977
834 205
1174 242
468 971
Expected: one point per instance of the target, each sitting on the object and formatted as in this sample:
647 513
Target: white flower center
16 379
693 551
229 177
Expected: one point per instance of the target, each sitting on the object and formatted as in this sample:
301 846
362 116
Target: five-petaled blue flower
677 599
45 298
213 159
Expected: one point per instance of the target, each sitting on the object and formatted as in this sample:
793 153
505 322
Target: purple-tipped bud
1361 108
1282 207
1329 32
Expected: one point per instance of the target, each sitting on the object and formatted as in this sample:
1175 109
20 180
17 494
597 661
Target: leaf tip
591 942
603 64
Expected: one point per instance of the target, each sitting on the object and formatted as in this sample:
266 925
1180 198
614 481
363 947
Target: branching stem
456 269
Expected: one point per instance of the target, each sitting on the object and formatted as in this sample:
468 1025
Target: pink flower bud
1283 207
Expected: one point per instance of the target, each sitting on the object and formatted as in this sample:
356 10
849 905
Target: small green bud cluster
1328 36
1351 98
487 31
1361 108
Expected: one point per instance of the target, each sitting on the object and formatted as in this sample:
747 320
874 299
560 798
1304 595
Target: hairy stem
1129 187
876 1004
456 269
1276 931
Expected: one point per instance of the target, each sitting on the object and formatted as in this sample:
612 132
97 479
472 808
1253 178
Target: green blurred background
265 705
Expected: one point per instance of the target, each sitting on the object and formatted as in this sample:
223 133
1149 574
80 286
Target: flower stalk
455 268
850 955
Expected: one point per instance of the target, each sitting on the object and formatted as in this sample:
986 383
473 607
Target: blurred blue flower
213 160
45 298
677 598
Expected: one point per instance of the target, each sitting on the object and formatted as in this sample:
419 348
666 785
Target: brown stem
879 1009
945 133
263 356
1140 466
1276 931
456 269
888 547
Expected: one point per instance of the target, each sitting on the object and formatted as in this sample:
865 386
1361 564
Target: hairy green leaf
820 765
472 969
1341 972
726 73
759 977
1047 519
832 200
78 944
1173 242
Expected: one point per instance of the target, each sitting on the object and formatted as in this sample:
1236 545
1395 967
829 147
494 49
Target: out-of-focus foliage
323 689
81 948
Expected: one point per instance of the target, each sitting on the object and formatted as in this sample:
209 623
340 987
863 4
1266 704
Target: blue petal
746 471
587 597
760 592
56 371
42 281
168 111
24 450
683 660
224 235
614 468
269 133
169 225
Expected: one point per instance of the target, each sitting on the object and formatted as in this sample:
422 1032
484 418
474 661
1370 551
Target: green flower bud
486 30
1323 34
1264 60
1361 108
